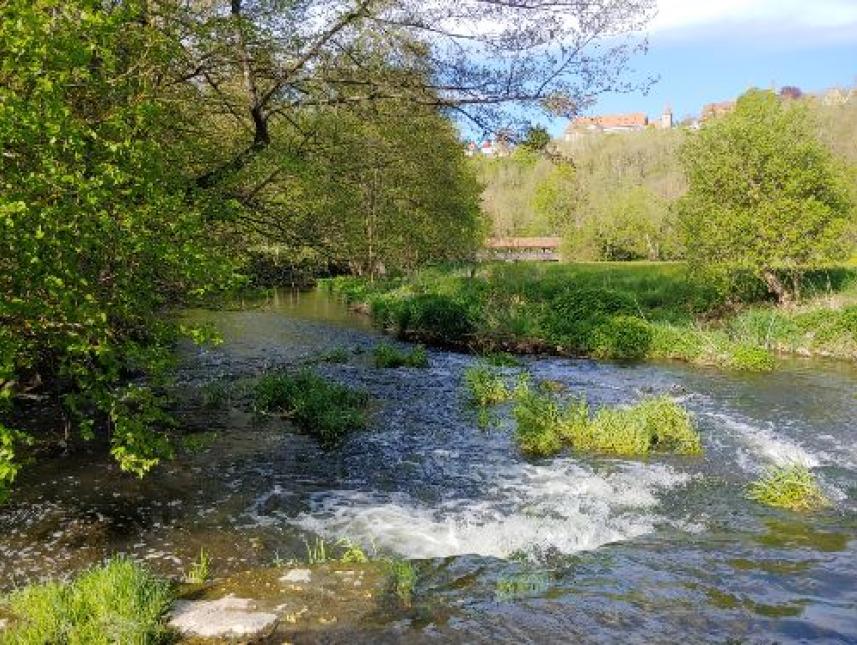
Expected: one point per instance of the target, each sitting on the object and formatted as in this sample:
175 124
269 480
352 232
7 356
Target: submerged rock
297 575
226 618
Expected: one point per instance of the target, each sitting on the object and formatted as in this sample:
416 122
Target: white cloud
678 14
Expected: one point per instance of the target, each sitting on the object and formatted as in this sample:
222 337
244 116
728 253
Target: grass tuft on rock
316 406
117 602
387 356
792 487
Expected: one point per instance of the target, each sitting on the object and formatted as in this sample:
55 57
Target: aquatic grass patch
117 602
403 580
197 442
522 585
501 359
336 355
200 569
387 356
792 487
654 425
316 406
216 394
537 422
486 385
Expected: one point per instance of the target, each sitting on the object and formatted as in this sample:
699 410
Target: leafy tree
537 138
97 229
765 194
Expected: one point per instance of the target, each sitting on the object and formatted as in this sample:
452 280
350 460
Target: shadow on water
509 549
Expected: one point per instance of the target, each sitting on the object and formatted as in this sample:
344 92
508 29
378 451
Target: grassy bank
118 602
621 311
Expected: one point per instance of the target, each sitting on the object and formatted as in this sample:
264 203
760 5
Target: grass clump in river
117 602
316 406
792 487
657 424
486 385
403 580
521 586
387 356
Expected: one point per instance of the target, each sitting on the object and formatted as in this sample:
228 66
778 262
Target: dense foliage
765 194
97 230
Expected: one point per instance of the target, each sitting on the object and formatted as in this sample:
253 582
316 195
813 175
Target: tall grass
792 487
654 425
387 356
319 407
117 602
617 311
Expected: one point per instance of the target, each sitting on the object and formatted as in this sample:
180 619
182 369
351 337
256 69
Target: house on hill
714 110
606 123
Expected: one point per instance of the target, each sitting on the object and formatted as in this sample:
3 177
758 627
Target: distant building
666 120
606 123
514 249
835 96
714 110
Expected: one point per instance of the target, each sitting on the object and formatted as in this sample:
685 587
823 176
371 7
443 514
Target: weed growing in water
198 442
335 355
117 602
200 569
353 553
316 406
538 419
501 359
521 586
387 356
486 385
656 424
792 487
403 580
316 551
653 425
216 394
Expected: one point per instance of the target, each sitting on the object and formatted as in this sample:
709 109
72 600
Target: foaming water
562 506
760 445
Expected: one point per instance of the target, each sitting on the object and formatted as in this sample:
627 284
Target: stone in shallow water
297 575
227 617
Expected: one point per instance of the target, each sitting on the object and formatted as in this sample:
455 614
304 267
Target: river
648 550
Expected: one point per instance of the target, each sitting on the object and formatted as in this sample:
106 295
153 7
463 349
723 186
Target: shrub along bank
619 311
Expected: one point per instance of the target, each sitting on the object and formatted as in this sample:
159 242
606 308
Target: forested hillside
610 196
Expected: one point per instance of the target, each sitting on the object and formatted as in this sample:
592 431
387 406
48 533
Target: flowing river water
601 549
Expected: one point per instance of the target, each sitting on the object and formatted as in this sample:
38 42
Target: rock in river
226 618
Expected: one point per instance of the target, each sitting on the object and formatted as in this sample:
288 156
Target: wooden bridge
518 249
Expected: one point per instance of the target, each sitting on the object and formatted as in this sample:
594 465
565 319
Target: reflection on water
662 549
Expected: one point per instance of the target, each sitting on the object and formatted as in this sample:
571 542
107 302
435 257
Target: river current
597 549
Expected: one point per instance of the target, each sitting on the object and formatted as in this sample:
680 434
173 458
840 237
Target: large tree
765 194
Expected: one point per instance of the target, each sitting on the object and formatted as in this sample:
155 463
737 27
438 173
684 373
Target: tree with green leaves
765 195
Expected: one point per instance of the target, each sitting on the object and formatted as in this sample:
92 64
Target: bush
316 406
387 356
623 338
576 313
438 317
792 487
485 385
118 602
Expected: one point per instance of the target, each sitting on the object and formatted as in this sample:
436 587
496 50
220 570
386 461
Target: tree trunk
776 286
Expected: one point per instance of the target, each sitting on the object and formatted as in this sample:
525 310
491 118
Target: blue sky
712 50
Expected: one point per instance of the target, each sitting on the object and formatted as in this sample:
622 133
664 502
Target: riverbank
618 311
